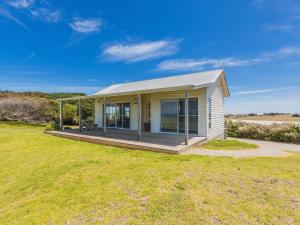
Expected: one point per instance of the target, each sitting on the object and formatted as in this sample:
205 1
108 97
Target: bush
70 114
31 110
52 126
275 132
296 115
38 107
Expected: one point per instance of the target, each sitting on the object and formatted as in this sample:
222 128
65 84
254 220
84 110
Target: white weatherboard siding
156 98
98 112
215 92
121 99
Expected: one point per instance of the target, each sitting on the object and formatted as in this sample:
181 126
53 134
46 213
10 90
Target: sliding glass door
169 115
117 115
126 115
193 116
173 116
110 115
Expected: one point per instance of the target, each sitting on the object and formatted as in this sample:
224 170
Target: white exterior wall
155 99
203 94
215 92
98 112
122 99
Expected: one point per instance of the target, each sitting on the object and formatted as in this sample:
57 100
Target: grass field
228 145
51 180
288 118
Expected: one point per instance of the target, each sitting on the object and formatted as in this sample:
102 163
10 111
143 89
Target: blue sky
84 46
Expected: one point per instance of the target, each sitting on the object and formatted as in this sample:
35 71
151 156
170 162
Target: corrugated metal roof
191 80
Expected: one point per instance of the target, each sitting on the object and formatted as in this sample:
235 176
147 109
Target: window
209 112
173 115
117 115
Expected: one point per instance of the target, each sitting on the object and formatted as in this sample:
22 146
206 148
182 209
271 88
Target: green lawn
228 145
50 180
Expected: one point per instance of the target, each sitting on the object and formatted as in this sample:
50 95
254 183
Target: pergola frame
61 115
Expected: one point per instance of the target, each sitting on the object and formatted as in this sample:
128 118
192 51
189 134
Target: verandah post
186 116
80 115
104 115
61 115
139 116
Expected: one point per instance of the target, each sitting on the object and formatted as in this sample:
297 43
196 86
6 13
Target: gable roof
191 80
180 82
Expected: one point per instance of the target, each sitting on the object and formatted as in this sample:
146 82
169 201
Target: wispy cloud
41 9
283 8
46 87
134 52
281 27
198 64
28 57
82 28
5 13
47 15
29 7
20 3
259 4
86 26
285 15
260 91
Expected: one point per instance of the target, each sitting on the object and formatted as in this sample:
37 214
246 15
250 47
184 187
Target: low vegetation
275 132
228 145
266 117
50 180
38 107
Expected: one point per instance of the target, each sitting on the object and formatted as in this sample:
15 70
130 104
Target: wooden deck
167 143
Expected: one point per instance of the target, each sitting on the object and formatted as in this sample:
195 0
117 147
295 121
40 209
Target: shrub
48 127
275 132
24 109
38 107
52 126
296 115
70 114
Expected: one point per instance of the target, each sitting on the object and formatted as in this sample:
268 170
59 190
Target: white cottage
187 105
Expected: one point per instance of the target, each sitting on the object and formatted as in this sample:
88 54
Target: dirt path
265 149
